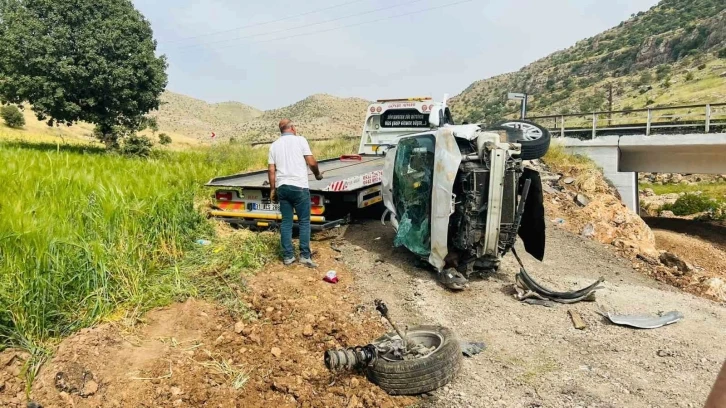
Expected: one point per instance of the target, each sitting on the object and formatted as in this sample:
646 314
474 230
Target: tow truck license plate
268 207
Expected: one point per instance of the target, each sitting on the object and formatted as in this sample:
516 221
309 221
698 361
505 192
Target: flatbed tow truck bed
348 183
339 175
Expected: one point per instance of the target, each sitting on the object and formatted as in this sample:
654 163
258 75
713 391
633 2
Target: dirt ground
535 358
194 354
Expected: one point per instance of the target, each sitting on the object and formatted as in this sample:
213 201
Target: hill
318 117
673 53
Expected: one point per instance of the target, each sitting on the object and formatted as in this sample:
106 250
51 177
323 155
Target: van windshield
404 118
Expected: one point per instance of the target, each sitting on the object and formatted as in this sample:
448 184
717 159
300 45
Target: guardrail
708 118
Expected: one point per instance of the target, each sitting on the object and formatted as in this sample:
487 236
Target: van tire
418 376
531 149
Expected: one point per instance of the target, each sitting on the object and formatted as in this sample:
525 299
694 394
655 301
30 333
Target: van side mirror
435 117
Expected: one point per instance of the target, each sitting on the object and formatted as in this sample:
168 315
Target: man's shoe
308 262
289 261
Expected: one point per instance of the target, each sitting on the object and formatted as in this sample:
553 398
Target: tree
12 116
164 139
149 122
80 60
137 145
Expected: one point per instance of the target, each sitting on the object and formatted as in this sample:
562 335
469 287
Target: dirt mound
708 276
195 354
579 199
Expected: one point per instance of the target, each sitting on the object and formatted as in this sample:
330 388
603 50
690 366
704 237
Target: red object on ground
331 277
351 157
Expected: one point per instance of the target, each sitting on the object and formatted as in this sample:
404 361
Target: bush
12 116
690 204
722 53
164 139
702 67
136 145
689 76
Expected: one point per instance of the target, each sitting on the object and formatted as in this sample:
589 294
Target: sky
273 53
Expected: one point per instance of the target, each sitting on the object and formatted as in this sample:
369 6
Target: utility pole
513 96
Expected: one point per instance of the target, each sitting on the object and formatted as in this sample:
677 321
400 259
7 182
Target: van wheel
535 139
418 375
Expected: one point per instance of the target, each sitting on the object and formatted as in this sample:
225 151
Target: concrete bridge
673 142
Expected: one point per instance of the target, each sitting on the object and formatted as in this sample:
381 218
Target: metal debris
470 349
527 288
644 321
539 302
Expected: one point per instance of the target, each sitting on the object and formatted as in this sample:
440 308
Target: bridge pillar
604 151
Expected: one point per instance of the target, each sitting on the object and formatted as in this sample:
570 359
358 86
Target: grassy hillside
673 53
317 117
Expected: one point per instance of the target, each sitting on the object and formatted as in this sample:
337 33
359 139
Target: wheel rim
529 132
428 339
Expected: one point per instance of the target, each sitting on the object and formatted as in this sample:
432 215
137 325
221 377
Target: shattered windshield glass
412 183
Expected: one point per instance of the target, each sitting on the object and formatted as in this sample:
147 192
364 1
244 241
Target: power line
300 26
264 22
349 25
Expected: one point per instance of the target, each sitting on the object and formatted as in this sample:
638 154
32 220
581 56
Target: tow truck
351 183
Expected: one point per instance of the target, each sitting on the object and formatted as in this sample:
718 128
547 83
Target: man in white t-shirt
288 163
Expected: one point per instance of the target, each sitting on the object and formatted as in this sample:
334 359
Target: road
535 358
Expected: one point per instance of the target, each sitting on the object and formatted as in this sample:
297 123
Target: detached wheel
535 139
418 375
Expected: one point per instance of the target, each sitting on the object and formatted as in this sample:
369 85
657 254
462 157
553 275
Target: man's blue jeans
292 197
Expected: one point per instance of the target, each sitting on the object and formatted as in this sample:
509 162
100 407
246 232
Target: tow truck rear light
424 108
379 109
373 109
317 205
223 195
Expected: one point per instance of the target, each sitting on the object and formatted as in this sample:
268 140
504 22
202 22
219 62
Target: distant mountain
317 117
673 53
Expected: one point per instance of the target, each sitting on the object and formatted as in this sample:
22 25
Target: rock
667 214
89 388
716 287
649 192
548 189
684 182
276 351
581 200
619 219
255 338
674 261
308 330
354 383
176 391
568 180
239 326
353 403
676 178
588 231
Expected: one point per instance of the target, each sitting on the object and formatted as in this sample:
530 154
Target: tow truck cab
388 120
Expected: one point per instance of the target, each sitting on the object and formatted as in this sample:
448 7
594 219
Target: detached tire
535 139
413 377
